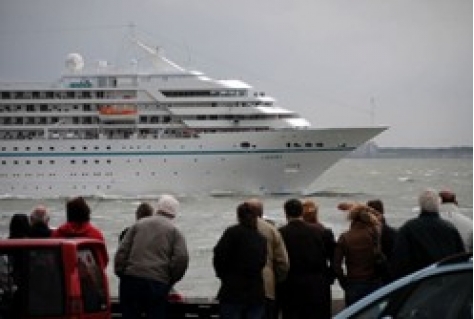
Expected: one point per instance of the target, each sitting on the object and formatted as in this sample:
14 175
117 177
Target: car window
31 283
442 296
93 289
45 293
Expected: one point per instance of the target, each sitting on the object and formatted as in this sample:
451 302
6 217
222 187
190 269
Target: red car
53 278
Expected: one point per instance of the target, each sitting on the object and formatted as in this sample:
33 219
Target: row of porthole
95 174
85 148
73 161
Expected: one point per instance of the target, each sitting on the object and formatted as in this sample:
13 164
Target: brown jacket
355 248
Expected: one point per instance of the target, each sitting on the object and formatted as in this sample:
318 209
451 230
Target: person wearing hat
449 211
151 258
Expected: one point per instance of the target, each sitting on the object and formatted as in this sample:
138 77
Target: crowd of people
269 271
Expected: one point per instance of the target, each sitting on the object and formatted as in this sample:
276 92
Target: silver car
442 290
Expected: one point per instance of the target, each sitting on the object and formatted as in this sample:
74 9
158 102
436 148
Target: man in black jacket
301 295
239 258
425 239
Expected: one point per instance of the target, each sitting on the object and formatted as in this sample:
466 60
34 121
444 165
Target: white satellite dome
74 62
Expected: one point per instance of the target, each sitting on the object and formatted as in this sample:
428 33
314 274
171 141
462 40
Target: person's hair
257 205
362 213
39 215
429 201
246 215
77 210
376 204
143 210
310 211
293 208
19 226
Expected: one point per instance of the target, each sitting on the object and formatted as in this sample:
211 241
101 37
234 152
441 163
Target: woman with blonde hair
355 249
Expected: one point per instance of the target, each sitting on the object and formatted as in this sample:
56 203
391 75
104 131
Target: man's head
448 197
376 204
77 210
293 208
257 205
167 206
39 215
429 201
143 210
247 215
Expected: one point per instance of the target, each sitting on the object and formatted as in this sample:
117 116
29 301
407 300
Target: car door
443 295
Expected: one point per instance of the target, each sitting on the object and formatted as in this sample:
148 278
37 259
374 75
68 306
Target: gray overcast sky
331 61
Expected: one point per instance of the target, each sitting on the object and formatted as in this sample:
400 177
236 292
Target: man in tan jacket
277 264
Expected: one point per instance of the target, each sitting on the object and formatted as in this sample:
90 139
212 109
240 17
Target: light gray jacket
153 248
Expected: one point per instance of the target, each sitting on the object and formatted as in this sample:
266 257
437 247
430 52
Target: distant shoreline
371 150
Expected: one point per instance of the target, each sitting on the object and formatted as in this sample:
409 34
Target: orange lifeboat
118 113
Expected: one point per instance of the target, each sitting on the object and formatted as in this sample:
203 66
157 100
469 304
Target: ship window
288 145
319 144
51 162
308 144
245 144
84 162
296 145
343 145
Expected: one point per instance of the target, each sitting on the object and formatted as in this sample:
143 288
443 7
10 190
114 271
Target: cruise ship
108 131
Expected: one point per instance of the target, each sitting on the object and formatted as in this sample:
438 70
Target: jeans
140 295
240 311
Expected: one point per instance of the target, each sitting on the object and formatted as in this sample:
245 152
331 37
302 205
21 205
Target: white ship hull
271 162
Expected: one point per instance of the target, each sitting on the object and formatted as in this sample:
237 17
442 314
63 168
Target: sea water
202 219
